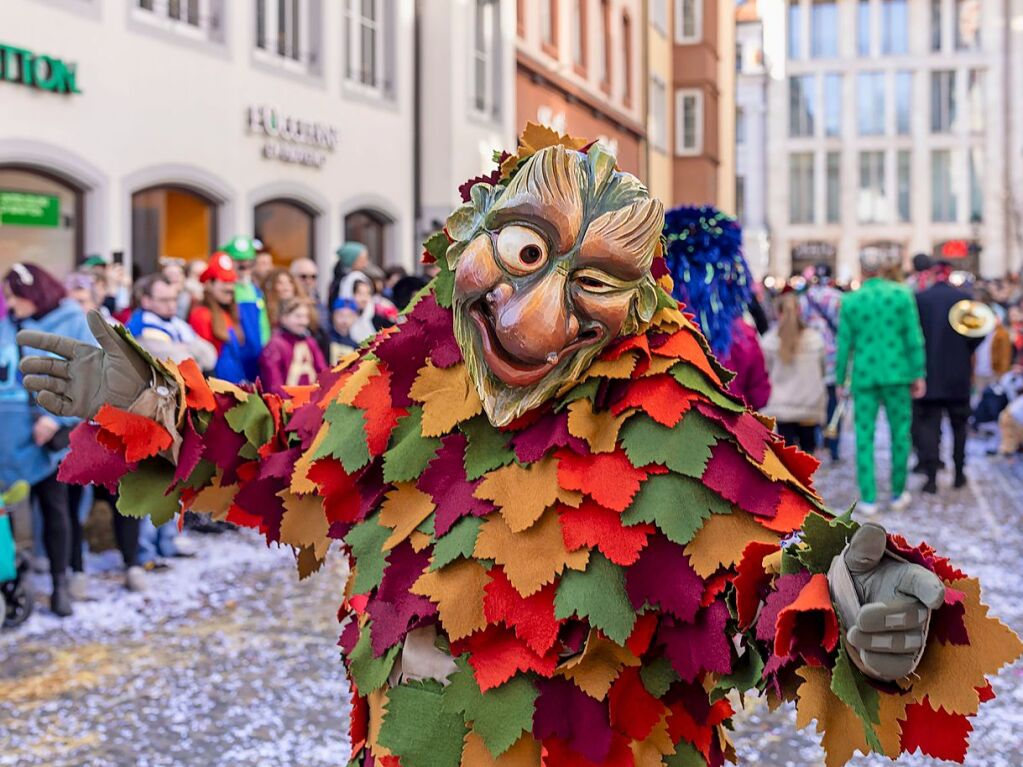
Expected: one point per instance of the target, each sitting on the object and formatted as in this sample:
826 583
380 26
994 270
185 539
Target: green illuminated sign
37 70
29 209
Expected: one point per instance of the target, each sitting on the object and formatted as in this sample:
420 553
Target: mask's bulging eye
521 249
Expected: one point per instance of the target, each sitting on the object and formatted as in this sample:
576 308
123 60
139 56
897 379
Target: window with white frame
801 208
824 29
364 54
688 121
279 29
658 117
903 101
975 100
188 16
832 116
967 21
894 27
943 194
802 105
486 95
863 28
943 101
872 204
740 125
659 15
870 106
833 187
795 29
688 21
578 28
903 178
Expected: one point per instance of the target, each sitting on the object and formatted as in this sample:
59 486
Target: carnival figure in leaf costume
568 542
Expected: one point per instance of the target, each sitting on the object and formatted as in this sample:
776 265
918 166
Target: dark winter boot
960 480
60 599
931 488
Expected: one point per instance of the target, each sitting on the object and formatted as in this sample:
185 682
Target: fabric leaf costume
568 542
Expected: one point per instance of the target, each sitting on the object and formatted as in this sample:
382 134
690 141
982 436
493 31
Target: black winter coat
949 355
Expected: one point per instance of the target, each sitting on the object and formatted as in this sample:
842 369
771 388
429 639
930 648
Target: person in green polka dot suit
879 337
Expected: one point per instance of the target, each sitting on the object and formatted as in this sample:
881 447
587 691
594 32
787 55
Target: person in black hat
949 371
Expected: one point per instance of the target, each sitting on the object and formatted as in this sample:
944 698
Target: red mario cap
219 267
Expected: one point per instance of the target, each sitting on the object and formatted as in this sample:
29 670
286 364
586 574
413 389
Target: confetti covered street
229 660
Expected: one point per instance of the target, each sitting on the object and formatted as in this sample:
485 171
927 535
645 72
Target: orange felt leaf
521 493
339 490
531 618
532 558
593 526
661 397
722 540
198 394
620 368
448 397
609 478
355 382
380 418
599 429
525 752
214 499
298 396
842 728
403 510
304 523
457 590
814 597
792 510
139 437
683 345
595 669
496 655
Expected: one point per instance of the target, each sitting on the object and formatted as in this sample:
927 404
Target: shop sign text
29 209
290 139
37 70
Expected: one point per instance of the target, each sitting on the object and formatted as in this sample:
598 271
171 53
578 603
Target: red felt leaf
339 489
236 515
735 479
648 581
496 654
693 721
90 462
380 418
747 429
531 618
714 587
634 711
559 754
544 434
566 713
802 465
986 693
358 720
684 346
948 623
751 581
608 478
702 645
925 556
661 397
139 437
935 733
394 609
593 526
198 394
792 510
642 634
807 621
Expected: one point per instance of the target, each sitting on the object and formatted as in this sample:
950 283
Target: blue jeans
155 542
832 444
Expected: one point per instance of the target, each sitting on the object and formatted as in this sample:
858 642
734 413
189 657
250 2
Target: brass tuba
973 319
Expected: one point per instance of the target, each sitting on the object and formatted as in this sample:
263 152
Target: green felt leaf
499 717
746 673
368 672
823 540
141 492
459 541
249 452
487 449
201 475
665 301
790 561
252 419
346 437
419 730
409 451
598 594
426 526
691 378
685 755
684 449
366 540
677 505
658 676
852 688
444 284
586 390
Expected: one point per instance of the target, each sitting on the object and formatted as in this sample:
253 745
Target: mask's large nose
534 323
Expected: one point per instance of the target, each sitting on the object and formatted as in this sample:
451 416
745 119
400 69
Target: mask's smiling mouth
510 369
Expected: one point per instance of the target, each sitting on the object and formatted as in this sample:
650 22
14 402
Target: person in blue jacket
255 323
34 442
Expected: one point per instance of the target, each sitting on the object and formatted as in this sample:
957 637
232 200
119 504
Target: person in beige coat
794 354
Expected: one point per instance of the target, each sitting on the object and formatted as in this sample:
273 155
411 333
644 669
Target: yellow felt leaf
843 730
659 365
573 498
532 558
619 368
949 674
525 752
403 510
650 751
300 482
419 540
779 472
214 500
599 429
722 540
536 137
521 493
598 665
376 703
457 590
448 398
353 385
892 708
225 387
304 523
669 317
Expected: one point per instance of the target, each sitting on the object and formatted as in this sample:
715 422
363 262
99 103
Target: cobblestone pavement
229 660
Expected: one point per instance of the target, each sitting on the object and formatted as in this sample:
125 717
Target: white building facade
887 126
751 138
139 129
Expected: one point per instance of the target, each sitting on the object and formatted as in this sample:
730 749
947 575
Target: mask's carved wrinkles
530 318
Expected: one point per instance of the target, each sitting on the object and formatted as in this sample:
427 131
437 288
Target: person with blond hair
795 357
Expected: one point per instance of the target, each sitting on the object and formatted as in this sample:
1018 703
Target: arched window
372 229
171 220
41 218
287 229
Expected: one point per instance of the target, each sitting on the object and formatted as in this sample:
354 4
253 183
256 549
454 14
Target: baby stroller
15 597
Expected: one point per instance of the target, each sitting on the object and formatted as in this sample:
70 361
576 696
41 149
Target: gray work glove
884 603
82 378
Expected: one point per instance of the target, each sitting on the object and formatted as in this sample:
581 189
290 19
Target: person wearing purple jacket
292 357
746 359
